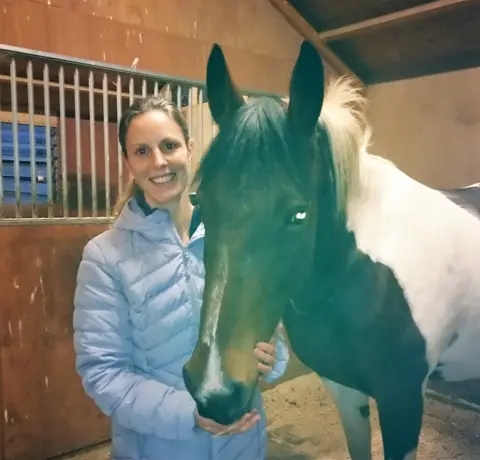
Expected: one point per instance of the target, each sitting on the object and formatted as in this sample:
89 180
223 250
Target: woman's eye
141 151
170 146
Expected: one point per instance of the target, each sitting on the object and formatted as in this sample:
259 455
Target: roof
388 40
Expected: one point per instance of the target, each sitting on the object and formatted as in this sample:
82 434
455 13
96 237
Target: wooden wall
43 408
430 126
170 37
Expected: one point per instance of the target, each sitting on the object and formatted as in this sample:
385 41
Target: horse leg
354 411
400 413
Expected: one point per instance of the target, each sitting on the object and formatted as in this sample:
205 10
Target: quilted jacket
136 320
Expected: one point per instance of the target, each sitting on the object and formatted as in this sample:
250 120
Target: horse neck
335 246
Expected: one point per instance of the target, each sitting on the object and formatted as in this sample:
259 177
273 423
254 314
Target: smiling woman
157 148
138 302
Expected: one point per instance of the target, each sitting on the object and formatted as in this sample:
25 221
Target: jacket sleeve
282 356
103 347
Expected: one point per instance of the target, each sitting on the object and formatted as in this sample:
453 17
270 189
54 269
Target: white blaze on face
213 376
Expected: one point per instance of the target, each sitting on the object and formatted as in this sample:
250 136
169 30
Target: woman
137 306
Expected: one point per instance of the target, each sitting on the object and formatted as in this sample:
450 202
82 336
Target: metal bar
111 68
155 88
48 143
189 112
63 141
67 86
106 143
2 197
119 147
179 97
93 165
78 142
144 88
55 221
168 92
31 131
131 89
16 152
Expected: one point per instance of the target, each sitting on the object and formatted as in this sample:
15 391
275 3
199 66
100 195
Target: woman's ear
127 165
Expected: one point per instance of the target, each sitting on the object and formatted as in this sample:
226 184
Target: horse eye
193 199
298 217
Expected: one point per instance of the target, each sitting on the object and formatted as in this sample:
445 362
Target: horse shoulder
430 245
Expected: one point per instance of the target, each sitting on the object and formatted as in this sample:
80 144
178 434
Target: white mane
344 118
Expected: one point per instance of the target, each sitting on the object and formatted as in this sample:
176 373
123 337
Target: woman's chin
163 198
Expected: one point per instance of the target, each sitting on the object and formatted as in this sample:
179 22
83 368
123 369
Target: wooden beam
300 24
24 118
398 17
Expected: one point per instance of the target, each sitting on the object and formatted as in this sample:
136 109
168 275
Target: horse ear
306 89
223 97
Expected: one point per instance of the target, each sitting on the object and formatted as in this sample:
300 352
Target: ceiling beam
299 23
388 20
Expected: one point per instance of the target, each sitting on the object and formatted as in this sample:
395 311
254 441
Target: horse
374 275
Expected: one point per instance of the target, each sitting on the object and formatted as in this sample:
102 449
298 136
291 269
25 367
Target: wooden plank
300 24
36 287
24 24
81 35
3 420
7 117
392 19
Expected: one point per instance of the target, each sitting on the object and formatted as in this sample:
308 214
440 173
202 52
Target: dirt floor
304 425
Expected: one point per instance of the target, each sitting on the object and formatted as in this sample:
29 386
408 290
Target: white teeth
163 179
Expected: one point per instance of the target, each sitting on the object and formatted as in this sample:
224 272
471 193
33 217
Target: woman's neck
181 215
180 212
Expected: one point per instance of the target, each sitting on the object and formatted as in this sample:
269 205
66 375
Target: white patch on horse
356 426
213 381
215 302
432 246
213 377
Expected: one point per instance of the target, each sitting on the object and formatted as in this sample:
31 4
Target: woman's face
158 157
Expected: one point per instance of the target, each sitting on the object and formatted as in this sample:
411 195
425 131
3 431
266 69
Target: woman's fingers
264 369
265 356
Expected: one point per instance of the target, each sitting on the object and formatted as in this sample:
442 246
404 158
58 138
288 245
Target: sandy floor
304 425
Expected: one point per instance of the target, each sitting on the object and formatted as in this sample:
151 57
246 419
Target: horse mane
344 118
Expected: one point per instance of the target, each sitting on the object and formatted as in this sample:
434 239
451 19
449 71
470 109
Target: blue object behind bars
8 169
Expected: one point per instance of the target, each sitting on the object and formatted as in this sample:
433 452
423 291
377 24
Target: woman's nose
158 158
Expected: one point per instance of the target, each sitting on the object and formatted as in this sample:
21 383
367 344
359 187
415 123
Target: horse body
405 303
432 246
375 276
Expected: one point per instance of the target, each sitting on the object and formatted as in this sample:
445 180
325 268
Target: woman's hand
265 354
242 425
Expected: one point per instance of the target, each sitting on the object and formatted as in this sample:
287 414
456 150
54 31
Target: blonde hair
122 200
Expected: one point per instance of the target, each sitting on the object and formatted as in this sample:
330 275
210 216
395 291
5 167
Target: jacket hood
156 226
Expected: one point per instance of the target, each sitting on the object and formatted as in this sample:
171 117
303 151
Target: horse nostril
237 394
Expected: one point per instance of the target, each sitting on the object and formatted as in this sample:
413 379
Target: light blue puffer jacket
136 320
